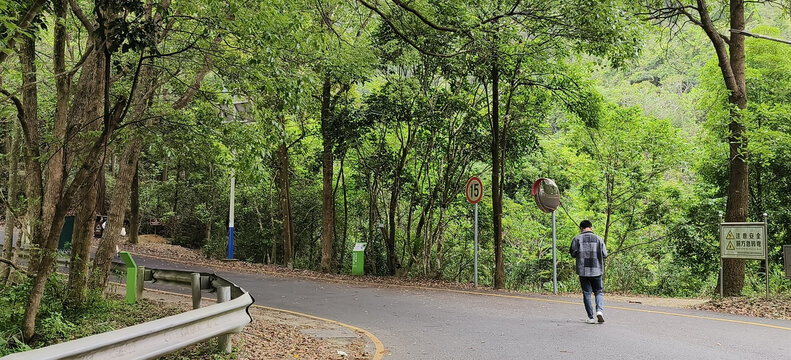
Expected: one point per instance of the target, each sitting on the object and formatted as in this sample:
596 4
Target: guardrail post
196 294
141 270
224 341
131 277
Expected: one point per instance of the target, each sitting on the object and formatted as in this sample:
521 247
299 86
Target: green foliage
58 321
629 121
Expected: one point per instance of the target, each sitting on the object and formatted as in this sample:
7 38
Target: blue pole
231 210
230 243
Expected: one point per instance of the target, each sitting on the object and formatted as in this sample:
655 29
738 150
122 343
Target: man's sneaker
591 321
599 316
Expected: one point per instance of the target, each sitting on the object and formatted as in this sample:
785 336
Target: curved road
418 323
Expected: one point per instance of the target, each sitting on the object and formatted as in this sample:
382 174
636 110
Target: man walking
589 251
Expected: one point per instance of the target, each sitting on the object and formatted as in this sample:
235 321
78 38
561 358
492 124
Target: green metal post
131 277
358 257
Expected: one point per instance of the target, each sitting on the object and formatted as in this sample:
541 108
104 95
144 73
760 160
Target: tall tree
730 52
342 62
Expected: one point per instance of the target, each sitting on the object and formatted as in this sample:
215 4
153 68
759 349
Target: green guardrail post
131 277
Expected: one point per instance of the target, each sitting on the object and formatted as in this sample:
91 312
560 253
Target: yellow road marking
517 297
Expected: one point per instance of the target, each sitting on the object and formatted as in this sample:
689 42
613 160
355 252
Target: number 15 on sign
474 193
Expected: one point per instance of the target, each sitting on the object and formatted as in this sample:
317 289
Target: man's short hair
585 224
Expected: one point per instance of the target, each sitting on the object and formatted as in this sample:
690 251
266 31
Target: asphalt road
416 323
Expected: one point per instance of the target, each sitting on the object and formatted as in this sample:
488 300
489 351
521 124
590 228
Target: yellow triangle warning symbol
730 246
730 236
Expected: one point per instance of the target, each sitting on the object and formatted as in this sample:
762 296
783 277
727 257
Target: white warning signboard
743 241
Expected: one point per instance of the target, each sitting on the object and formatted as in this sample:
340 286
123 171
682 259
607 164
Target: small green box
358 259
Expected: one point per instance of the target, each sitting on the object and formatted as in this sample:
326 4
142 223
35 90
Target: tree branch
75 8
185 99
640 244
20 111
422 18
759 36
403 36
719 45
699 22
15 266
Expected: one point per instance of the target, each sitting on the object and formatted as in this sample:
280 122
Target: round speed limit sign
474 190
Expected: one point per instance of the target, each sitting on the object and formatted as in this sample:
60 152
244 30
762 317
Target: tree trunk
392 257
123 183
30 126
285 205
176 188
86 107
328 200
134 208
101 190
731 61
55 165
439 234
78 189
739 175
276 235
12 153
371 249
261 231
345 216
81 242
497 203
212 203
115 216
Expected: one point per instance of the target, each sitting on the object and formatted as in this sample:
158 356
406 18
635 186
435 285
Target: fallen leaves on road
269 340
772 308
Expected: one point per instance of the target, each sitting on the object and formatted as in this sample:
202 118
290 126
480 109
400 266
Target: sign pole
766 253
547 197
474 193
476 245
722 280
554 257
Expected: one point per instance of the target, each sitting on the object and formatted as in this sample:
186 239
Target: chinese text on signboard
743 241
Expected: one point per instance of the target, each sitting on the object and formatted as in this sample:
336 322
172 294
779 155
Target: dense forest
360 121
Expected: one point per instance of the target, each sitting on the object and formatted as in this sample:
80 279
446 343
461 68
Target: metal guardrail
155 338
